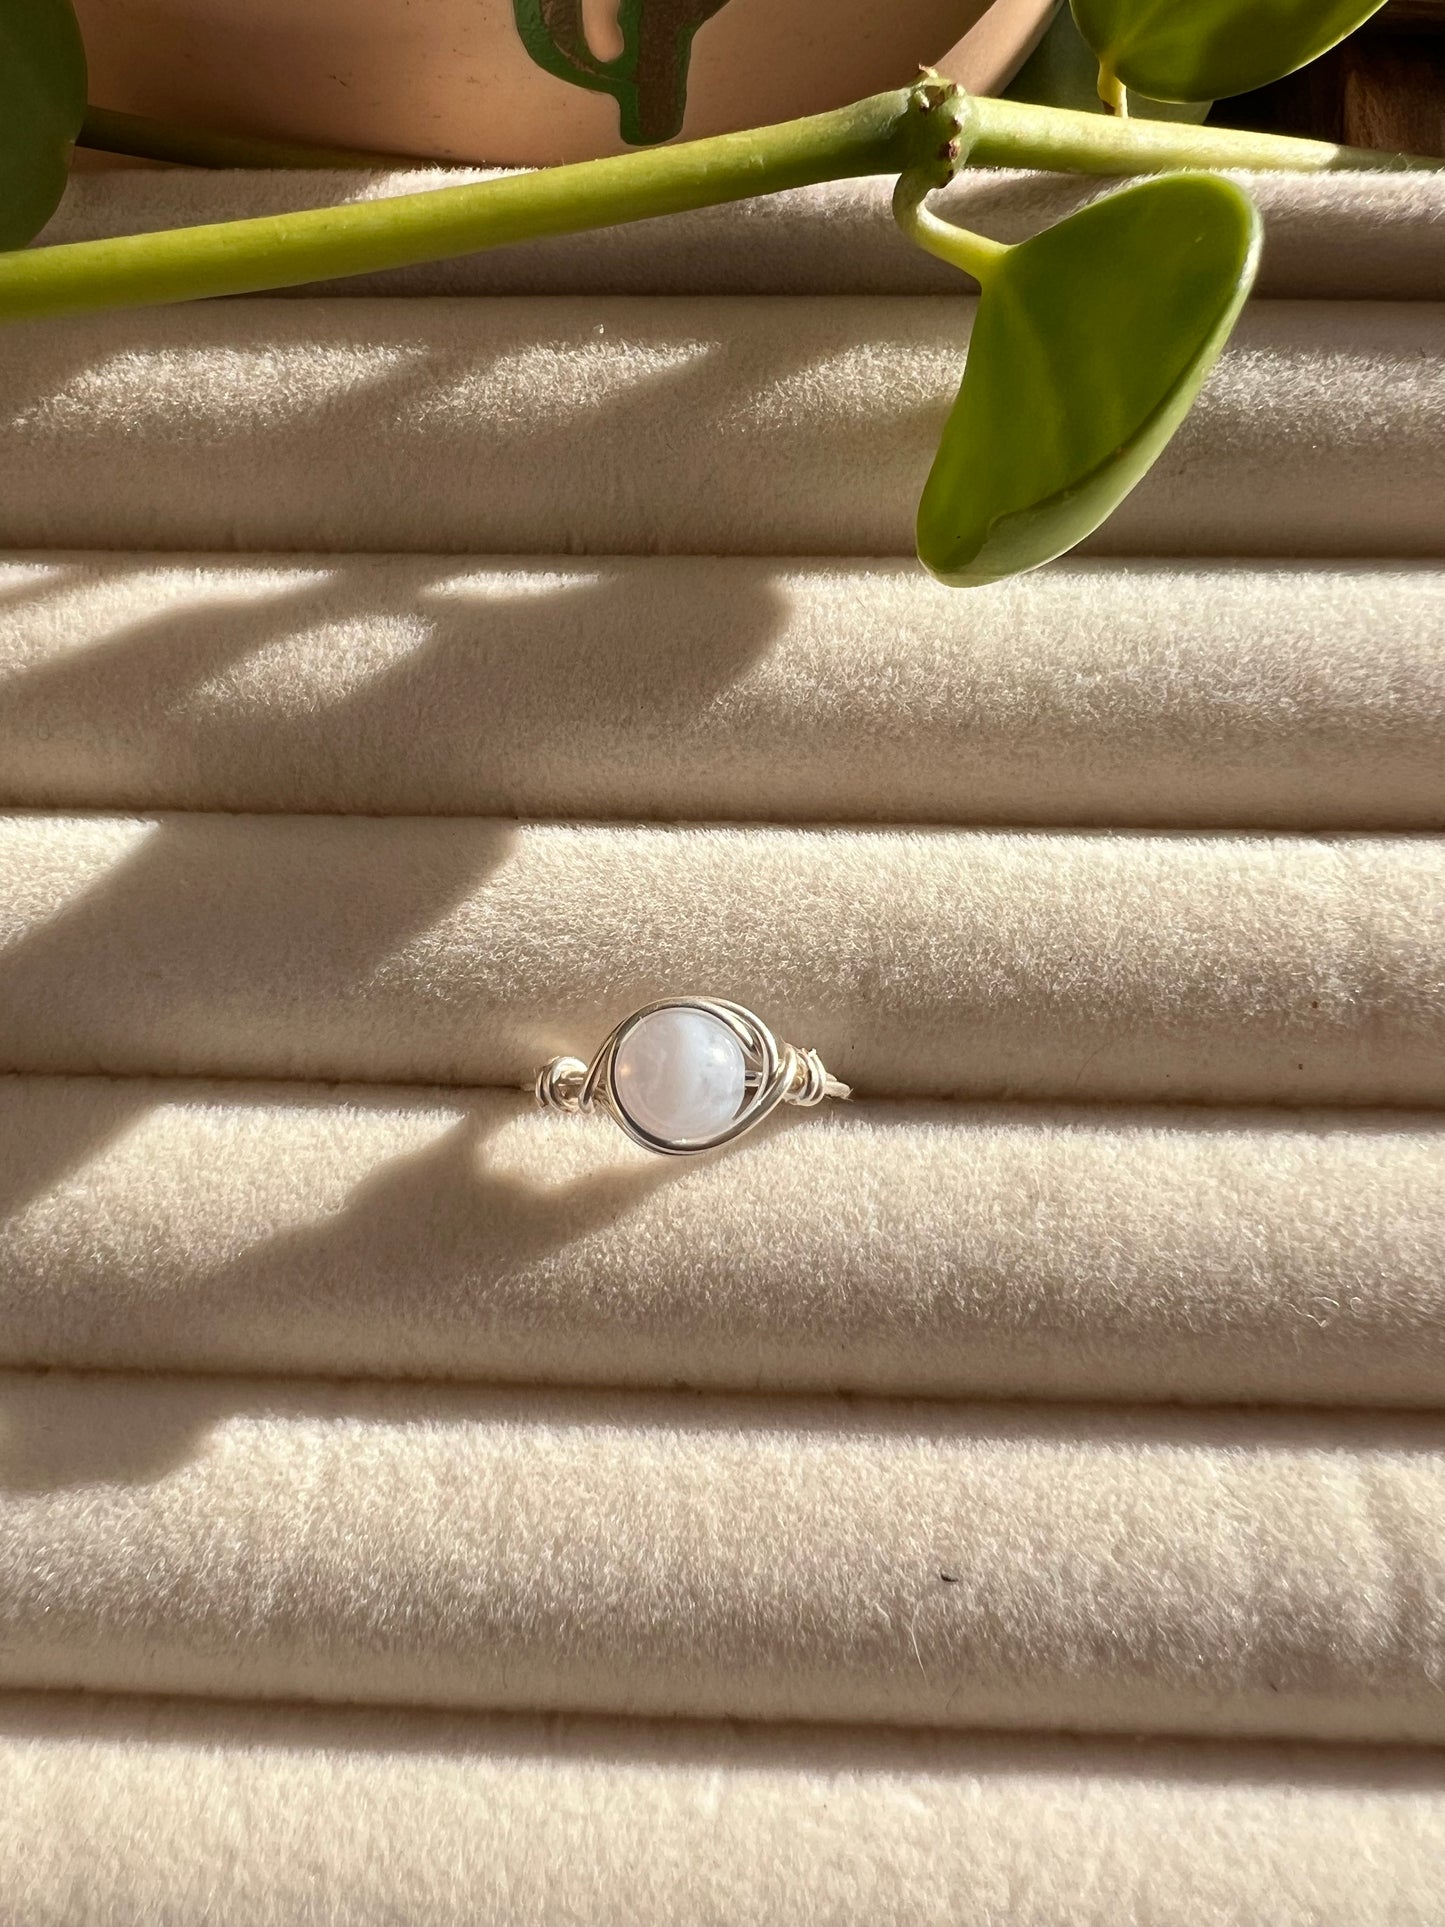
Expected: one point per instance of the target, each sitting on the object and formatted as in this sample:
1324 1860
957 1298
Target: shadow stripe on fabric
1073 967
1290 695
949 1251
789 425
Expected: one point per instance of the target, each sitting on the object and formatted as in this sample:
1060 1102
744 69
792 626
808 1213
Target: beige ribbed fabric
274 1818
944 1250
417 1509
799 425
1308 696
1220 969
1118 1569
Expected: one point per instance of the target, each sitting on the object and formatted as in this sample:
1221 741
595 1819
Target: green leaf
1062 71
1207 49
1090 343
42 103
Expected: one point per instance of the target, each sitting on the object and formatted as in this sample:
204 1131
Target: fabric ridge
1014 1251
1204 694
351 425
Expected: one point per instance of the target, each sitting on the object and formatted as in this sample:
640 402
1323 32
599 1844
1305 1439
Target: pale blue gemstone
680 1074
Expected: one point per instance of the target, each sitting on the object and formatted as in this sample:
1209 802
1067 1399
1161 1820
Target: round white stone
680 1074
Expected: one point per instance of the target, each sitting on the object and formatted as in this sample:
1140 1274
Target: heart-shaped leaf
1207 49
42 103
1090 343
1062 71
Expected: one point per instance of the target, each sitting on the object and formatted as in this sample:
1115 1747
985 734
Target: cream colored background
453 79
414 1508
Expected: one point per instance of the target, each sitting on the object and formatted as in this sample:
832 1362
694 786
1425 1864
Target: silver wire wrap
778 1073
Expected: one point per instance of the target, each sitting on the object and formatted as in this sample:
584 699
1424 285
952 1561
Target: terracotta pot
453 78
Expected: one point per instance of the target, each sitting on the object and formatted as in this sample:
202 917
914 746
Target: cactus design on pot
648 79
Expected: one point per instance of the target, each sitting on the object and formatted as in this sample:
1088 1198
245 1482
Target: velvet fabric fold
1222 969
788 425
1227 694
1118 1570
948 1251
271 1817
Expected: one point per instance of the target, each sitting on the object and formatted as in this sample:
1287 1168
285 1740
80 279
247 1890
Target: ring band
688 1074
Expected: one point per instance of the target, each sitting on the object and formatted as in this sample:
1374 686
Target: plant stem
959 247
1015 133
919 129
153 140
1113 93
887 134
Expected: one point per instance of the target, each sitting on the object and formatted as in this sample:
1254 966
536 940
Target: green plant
1097 333
42 104
1063 71
1184 50
1091 339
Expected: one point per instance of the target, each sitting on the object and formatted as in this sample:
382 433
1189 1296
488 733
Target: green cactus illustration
648 79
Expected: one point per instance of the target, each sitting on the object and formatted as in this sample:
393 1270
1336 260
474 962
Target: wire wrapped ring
688 1074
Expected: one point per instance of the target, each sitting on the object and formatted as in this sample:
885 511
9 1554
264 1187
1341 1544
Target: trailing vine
1091 339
